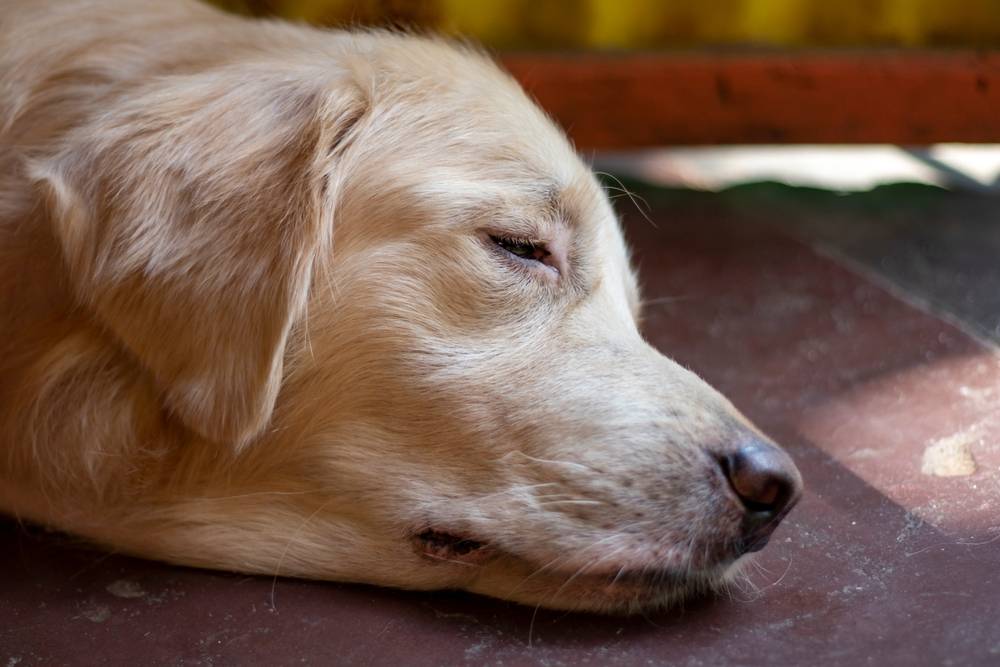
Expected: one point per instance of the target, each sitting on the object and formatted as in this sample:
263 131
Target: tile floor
854 329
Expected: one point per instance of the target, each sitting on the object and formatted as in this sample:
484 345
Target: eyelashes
524 249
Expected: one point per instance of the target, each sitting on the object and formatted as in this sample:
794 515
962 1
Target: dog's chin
489 570
631 593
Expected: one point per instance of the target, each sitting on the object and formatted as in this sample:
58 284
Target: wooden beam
610 101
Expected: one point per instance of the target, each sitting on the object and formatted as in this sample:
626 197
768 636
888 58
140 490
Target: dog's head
386 281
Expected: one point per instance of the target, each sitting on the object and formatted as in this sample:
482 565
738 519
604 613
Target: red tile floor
813 333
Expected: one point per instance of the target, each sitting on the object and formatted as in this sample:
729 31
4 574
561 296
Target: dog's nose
763 476
768 484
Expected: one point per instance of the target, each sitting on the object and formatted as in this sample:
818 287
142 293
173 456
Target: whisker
557 560
552 462
537 571
659 301
531 625
549 503
281 560
573 577
634 198
515 489
781 578
451 560
251 495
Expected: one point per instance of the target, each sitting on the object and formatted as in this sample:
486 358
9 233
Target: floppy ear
190 218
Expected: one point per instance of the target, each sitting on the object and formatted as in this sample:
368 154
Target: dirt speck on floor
97 613
978 394
123 588
950 456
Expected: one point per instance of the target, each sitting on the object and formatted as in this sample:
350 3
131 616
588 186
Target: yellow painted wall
631 24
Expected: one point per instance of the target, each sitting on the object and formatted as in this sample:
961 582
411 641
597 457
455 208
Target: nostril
763 477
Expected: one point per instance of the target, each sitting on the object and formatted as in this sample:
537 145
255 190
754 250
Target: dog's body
342 306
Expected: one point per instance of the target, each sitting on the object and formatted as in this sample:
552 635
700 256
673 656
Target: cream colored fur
251 316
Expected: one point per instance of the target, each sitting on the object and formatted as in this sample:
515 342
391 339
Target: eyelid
534 266
517 227
513 239
518 240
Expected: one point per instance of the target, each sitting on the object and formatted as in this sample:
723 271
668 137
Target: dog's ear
190 218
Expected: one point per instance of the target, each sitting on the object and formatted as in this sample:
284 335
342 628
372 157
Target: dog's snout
767 483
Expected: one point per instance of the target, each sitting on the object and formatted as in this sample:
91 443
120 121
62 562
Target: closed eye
523 249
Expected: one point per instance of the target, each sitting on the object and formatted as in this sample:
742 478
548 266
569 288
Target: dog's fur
253 316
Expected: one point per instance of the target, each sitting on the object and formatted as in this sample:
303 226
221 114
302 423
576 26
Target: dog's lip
444 545
447 546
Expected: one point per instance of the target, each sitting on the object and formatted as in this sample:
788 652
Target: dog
342 306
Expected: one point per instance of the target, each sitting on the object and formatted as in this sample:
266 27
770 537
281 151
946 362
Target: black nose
768 484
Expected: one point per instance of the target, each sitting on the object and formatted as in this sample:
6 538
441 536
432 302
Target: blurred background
655 24
651 88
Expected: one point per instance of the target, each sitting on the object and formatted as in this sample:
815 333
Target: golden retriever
342 306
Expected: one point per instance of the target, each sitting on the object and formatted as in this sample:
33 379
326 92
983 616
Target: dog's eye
522 248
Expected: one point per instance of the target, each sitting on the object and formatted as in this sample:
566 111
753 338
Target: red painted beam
608 101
